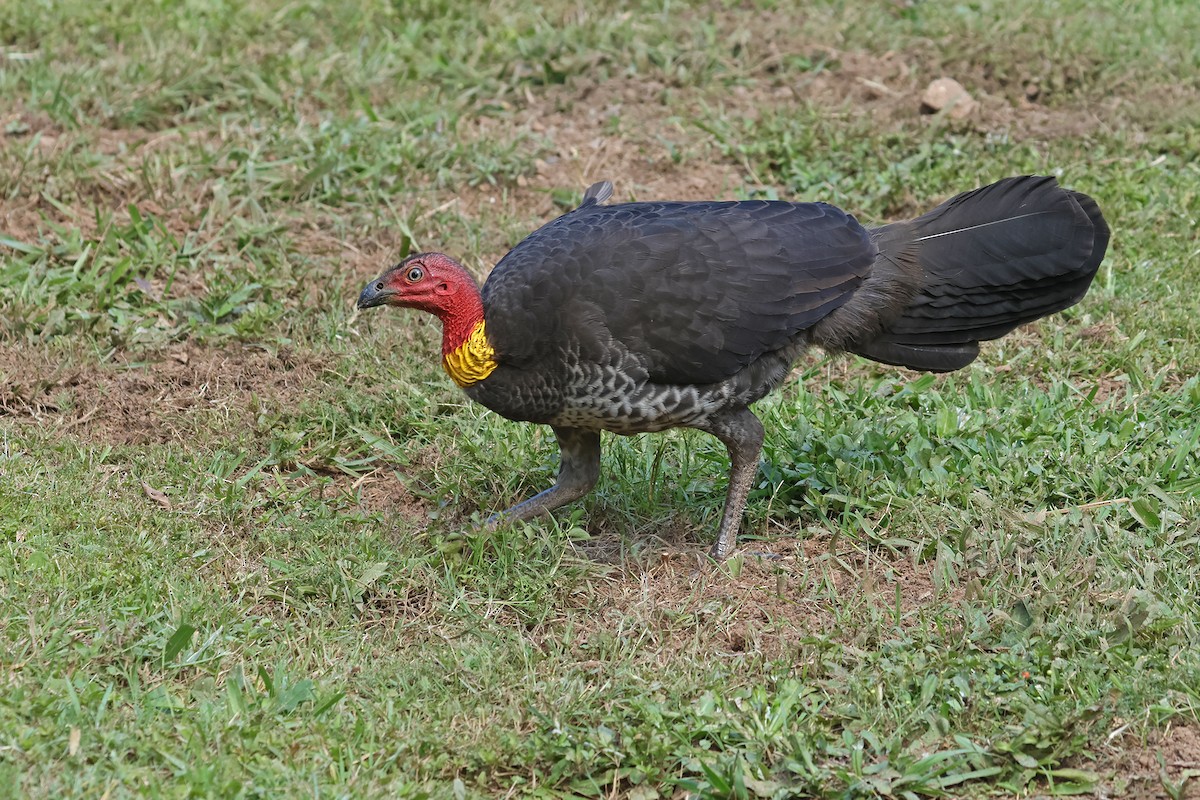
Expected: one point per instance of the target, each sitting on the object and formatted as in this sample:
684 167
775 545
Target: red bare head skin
432 282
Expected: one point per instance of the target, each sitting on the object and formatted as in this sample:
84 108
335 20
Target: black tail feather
981 264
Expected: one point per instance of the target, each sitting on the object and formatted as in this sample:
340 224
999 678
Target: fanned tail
971 270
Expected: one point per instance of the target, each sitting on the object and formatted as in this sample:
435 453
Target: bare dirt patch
889 86
83 179
620 130
642 134
387 490
1023 102
168 400
785 591
1143 770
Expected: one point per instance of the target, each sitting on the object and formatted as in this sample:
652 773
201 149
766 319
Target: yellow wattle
473 360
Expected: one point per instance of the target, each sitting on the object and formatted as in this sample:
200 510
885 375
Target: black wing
694 291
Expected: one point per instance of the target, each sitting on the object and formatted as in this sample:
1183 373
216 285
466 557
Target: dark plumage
644 316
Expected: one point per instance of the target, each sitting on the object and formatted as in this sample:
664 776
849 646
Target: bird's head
432 282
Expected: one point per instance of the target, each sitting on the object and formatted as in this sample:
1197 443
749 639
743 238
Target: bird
642 316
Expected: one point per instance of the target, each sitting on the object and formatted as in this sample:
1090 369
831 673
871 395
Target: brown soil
783 592
168 400
625 129
1141 770
571 123
105 192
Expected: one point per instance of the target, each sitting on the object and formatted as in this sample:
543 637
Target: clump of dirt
135 404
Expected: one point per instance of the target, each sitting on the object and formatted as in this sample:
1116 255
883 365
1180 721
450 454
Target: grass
239 553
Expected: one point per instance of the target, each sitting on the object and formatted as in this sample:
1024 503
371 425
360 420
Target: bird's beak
374 294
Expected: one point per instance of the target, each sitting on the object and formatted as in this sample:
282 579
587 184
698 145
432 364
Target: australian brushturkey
639 317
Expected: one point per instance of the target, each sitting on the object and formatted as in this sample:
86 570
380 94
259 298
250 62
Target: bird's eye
415 274
379 286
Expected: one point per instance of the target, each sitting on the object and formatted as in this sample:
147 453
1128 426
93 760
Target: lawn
240 544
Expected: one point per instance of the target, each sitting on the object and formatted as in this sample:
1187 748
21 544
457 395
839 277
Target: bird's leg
742 434
578 471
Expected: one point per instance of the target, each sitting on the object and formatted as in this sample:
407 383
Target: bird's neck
467 354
